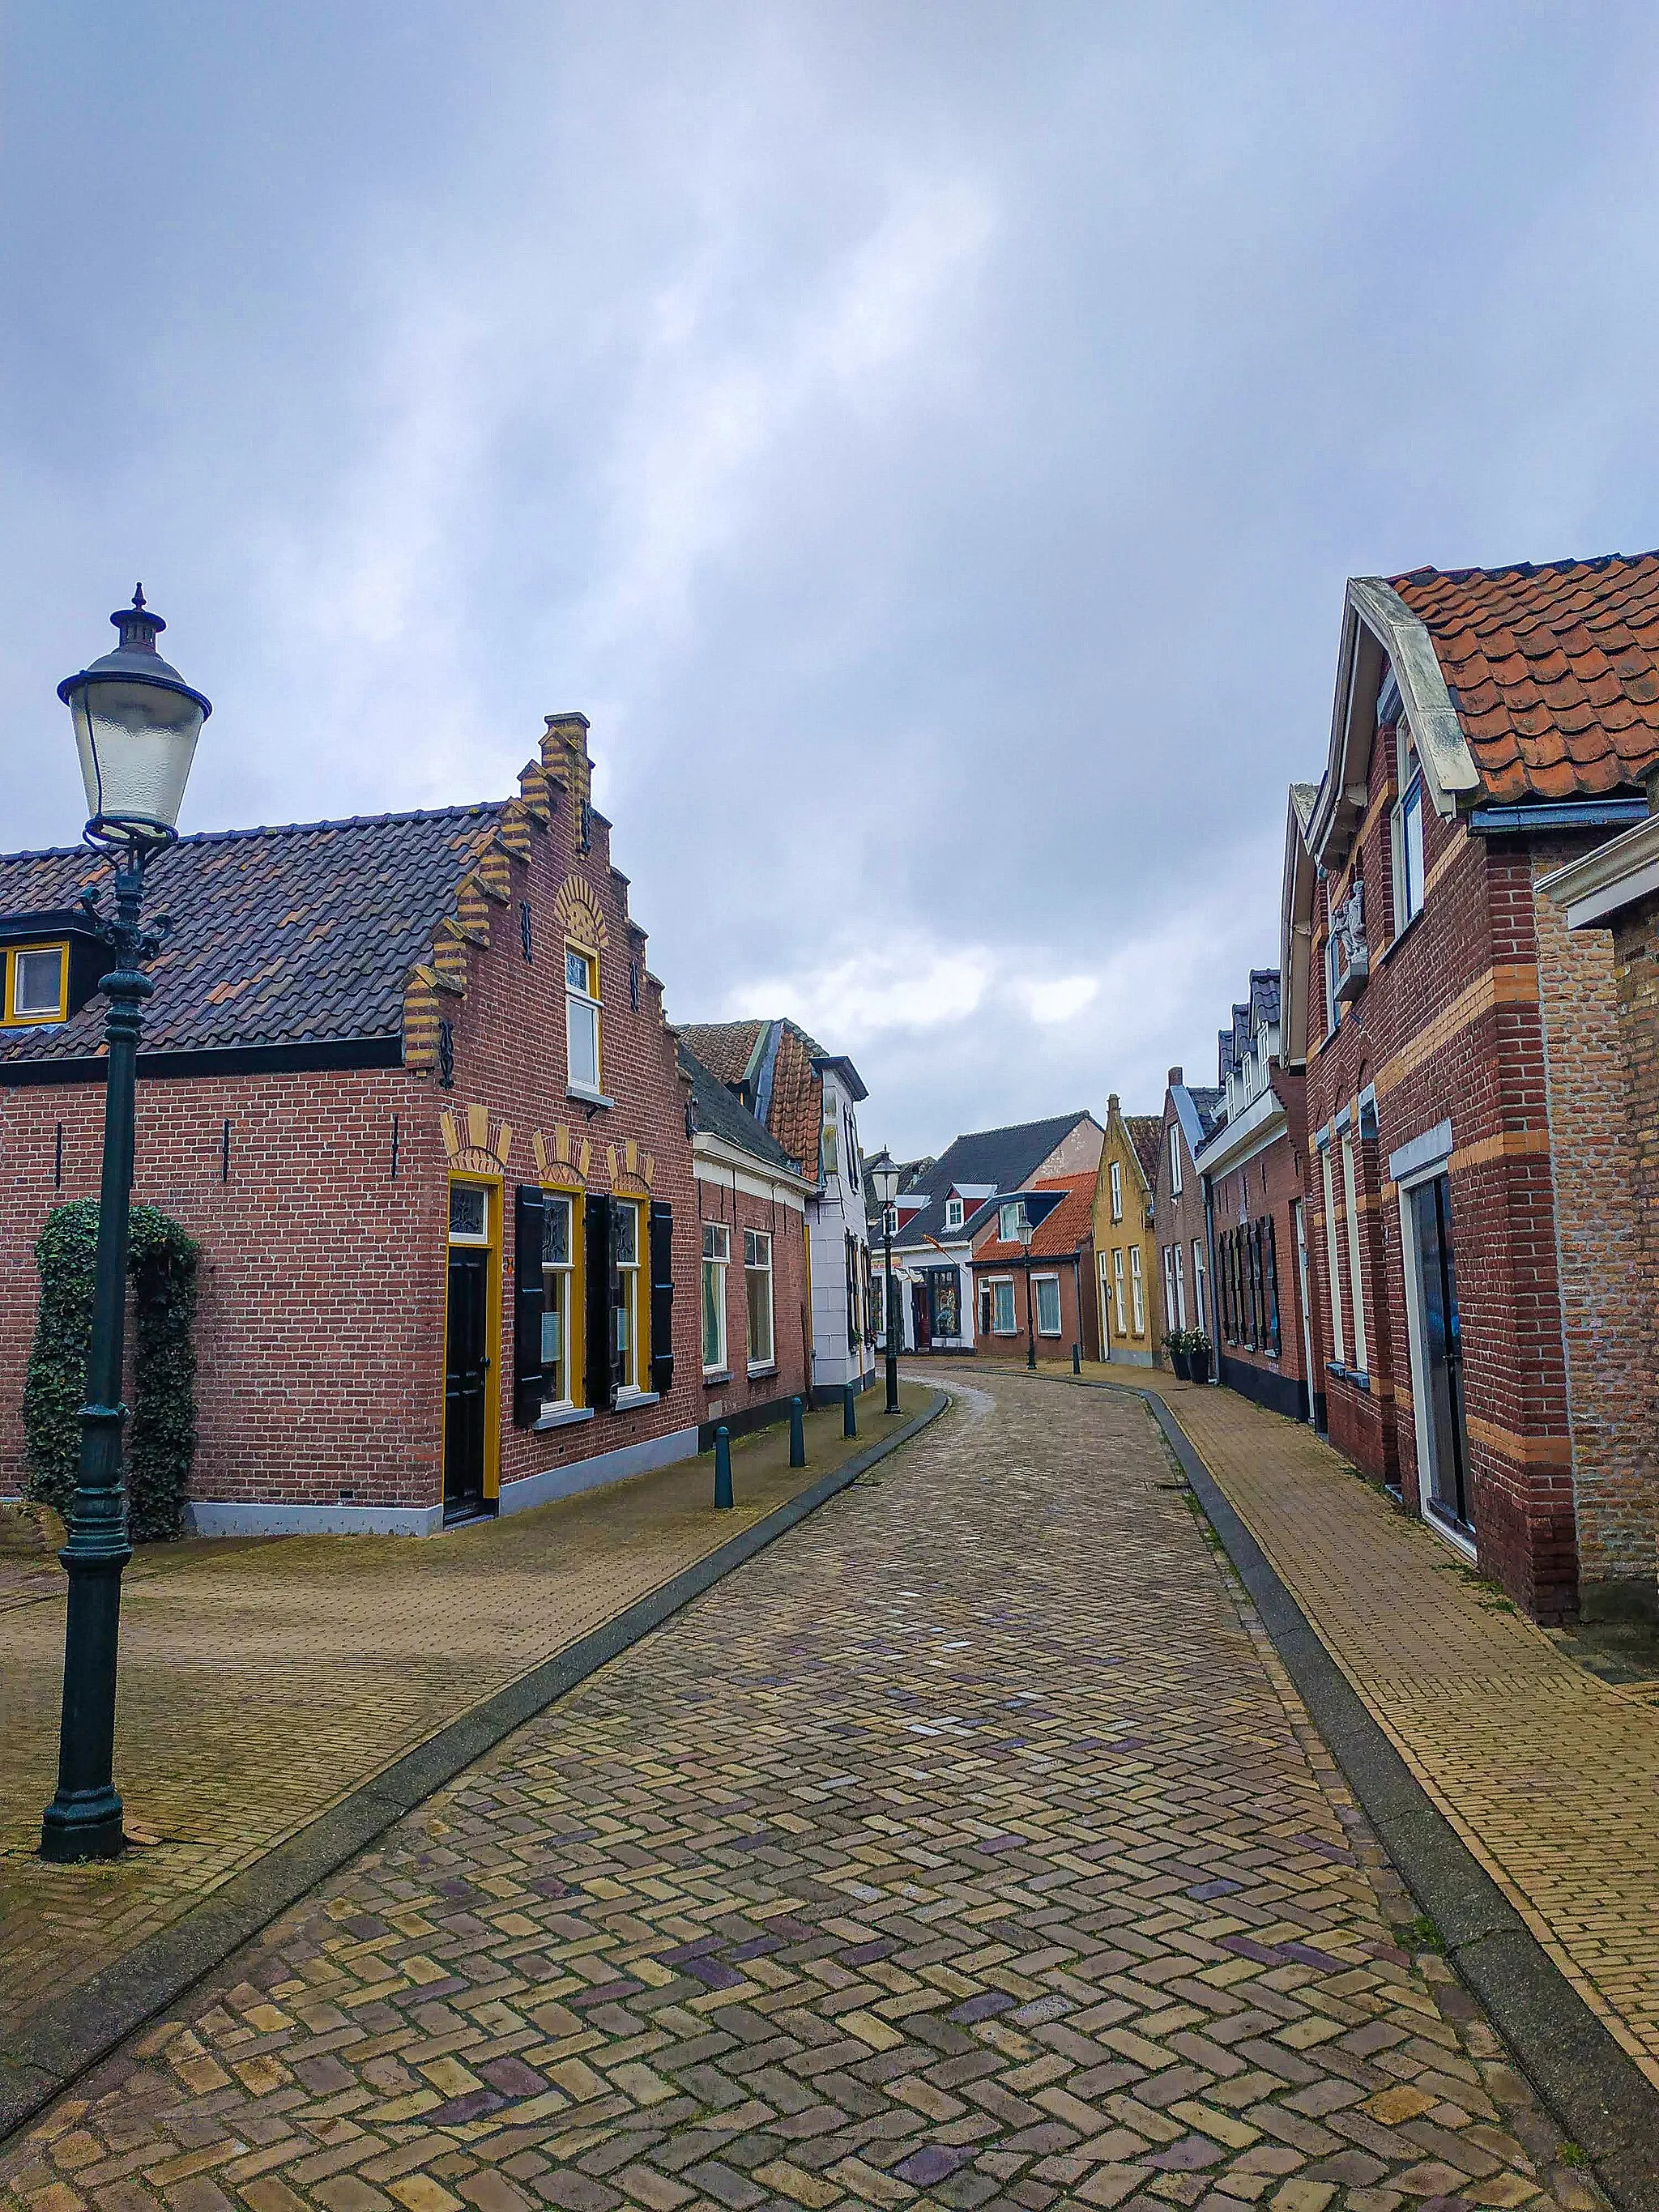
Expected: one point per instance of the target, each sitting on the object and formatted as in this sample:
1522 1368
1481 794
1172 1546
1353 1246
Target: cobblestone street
967 1848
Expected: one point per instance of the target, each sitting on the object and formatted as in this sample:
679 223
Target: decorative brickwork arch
576 909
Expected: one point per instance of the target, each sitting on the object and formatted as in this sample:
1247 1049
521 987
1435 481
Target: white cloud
1059 1001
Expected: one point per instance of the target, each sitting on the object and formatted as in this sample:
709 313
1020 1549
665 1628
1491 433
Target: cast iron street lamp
136 727
1026 1231
886 1180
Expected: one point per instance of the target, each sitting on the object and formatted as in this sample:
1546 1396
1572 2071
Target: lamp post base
84 1828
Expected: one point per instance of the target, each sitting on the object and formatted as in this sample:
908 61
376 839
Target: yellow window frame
590 959
11 1018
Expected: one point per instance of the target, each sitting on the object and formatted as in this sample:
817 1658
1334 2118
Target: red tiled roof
1553 671
1070 1224
1146 1135
795 1110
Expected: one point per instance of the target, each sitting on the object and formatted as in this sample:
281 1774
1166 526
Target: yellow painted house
1126 1243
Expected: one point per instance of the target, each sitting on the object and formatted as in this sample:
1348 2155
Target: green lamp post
136 722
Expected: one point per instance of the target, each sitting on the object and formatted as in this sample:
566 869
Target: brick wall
1266 1188
735 1394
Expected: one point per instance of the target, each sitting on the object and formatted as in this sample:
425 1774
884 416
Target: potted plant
1176 1345
1198 1355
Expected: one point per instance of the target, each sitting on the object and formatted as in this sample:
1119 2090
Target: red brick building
1060 1270
409 1081
1478 1289
1179 1212
1253 1167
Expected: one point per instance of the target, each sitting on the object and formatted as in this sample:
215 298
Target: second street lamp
1027 1231
886 1180
135 726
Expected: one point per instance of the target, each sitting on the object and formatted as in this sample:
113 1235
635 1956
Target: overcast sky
928 441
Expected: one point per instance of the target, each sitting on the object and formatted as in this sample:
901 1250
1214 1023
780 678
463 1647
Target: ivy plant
161 1442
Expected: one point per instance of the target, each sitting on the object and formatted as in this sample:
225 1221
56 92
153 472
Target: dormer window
1008 1221
36 984
953 1214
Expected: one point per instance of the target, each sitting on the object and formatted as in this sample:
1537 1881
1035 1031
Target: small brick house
807 1099
1179 1210
1051 1288
1129 1311
1478 1283
1254 1166
408 1080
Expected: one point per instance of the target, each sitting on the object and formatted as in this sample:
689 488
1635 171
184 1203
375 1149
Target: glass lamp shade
886 1180
136 727
1027 1229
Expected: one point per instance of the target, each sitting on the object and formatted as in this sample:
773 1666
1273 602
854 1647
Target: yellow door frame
495 1189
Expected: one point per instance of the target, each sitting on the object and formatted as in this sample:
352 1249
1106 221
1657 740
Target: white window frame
1117 1288
1333 1263
627 1322
1115 1180
1406 829
1039 1284
1137 1292
1167 1255
1180 1285
1008 1221
716 1260
998 1285
558 1298
953 1214
1176 1185
757 1270
1201 1288
583 1014
1356 1281
1103 1290
473 1237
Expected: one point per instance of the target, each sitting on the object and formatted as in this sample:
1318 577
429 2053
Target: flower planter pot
1183 1366
1199 1363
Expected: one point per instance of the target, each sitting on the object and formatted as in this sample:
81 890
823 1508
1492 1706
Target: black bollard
849 1412
722 1469
796 1434
1077 1359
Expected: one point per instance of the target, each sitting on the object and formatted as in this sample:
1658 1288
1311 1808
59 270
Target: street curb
1601 2098
72 2033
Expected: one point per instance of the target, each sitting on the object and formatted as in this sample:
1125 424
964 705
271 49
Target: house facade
949 1210
408 1080
1479 1288
1179 1211
1253 1166
1130 1313
754 1298
807 1099
1044 1298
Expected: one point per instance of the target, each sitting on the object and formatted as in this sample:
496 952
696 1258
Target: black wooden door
1443 1354
465 1382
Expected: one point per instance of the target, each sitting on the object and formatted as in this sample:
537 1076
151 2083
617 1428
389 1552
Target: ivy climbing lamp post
886 1180
135 726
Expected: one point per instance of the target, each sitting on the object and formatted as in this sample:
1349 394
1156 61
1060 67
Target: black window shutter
1272 1269
617 1372
600 1329
662 1296
527 1302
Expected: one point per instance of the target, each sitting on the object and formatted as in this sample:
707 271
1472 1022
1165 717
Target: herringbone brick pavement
262 1681
967 1848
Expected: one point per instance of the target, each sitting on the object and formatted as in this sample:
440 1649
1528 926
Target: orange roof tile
1146 1135
1070 1224
795 1109
1553 671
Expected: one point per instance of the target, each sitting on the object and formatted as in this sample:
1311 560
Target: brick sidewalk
262 1681
968 1849
1550 1777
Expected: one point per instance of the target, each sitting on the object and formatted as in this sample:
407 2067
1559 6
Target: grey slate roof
279 935
725 1116
1005 1158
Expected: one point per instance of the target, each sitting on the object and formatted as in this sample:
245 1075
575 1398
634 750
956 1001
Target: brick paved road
967 1848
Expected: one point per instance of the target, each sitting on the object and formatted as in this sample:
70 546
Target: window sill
1399 939
714 1377
589 1097
757 1368
626 1401
1357 1375
564 1417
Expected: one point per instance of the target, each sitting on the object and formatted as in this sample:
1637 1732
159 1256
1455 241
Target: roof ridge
471 808
1558 567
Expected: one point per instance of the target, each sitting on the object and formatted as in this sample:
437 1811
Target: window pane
625 1231
467 1214
759 1281
556 1233
1047 1306
714 1313
37 983
578 973
552 1336
582 1035
1002 1300
1411 828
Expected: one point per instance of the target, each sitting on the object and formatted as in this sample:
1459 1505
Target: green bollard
850 1411
796 1434
1077 1359
722 1469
